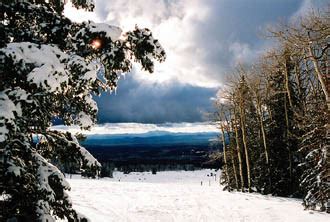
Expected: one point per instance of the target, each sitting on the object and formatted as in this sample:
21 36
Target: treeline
275 114
108 168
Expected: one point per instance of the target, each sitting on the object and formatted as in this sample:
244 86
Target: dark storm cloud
154 103
233 30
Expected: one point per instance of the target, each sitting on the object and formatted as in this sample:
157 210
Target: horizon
141 128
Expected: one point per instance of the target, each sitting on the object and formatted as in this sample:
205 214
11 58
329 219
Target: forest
275 114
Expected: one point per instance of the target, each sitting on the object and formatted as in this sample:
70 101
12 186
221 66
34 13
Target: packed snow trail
180 197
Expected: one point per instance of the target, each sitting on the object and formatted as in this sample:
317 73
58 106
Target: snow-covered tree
52 67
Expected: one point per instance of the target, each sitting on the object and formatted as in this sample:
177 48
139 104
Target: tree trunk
287 145
234 168
319 74
232 155
239 154
247 159
261 121
264 139
225 153
287 86
327 154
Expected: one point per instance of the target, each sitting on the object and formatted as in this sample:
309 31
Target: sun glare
96 44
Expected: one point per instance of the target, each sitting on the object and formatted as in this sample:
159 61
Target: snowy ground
179 196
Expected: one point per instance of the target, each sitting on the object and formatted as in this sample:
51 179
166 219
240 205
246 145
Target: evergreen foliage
52 67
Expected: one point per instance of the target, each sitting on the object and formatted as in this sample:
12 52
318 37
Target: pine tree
52 67
282 143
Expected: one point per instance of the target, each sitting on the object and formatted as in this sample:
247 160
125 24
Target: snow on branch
8 110
46 172
88 157
110 31
49 71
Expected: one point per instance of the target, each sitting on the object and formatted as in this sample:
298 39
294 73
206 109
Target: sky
203 39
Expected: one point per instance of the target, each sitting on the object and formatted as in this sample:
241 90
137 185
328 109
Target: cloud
155 102
204 40
198 36
307 6
139 128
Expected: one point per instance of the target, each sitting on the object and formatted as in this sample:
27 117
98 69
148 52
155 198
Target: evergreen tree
283 141
51 67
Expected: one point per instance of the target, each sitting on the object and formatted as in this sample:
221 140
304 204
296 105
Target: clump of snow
51 66
111 31
48 77
90 69
16 170
20 94
87 155
84 120
49 71
45 170
7 114
91 102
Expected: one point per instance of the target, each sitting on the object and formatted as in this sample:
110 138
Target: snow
20 94
7 114
111 31
87 155
84 120
49 71
89 68
91 102
47 77
45 170
179 196
16 170
51 66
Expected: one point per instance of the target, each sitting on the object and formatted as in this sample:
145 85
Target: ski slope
182 196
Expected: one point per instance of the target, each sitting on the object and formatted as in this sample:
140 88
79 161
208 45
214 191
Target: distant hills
153 138
161 150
